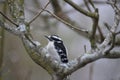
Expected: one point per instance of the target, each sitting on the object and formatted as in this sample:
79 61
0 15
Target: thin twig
66 23
62 15
101 34
95 22
116 24
38 14
89 14
91 2
94 28
107 26
85 48
8 19
86 4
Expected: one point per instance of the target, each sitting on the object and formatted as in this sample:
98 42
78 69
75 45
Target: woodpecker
56 48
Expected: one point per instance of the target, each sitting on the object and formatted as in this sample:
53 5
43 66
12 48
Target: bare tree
102 47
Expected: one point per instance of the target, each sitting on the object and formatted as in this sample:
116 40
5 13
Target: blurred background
17 65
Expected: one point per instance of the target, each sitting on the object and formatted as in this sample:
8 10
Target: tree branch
10 29
88 58
94 28
66 23
8 19
36 16
89 14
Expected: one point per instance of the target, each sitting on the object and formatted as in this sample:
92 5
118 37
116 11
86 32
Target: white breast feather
53 53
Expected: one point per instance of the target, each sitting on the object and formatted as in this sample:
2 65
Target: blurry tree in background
89 28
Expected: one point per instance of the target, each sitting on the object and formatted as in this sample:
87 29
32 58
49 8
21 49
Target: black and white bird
56 48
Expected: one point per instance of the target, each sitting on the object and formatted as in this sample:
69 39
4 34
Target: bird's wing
62 51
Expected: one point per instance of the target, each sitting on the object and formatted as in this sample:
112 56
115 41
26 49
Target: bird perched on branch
56 48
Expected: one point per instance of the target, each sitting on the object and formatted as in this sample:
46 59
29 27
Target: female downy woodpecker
56 48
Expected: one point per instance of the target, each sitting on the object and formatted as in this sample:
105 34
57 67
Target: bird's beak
47 37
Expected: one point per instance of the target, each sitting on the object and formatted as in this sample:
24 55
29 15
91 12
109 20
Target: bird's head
54 38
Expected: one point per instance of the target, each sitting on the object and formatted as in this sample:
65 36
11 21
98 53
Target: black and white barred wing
61 51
